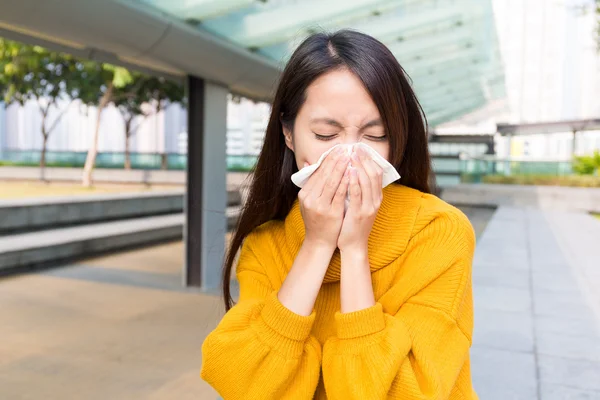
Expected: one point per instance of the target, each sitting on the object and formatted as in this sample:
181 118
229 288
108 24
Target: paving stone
502 298
557 392
578 374
502 375
503 330
567 346
586 327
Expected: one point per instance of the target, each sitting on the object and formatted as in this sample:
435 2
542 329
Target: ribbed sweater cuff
360 323
286 322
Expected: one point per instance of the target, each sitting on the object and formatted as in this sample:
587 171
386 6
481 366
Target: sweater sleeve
415 350
261 349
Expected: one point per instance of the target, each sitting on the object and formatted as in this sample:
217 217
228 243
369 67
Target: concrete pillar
2 127
206 199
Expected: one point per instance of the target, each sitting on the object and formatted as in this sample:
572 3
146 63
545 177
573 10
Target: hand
322 200
366 195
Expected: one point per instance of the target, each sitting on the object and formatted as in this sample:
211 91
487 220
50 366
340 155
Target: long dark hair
271 192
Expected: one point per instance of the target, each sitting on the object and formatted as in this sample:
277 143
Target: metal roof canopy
243 44
549 127
139 37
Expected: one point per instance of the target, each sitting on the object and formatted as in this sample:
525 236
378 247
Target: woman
369 303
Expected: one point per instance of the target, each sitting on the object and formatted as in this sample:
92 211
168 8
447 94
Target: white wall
552 73
75 129
2 126
165 132
551 60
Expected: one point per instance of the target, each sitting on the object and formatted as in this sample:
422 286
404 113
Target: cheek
383 149
302 158
310 154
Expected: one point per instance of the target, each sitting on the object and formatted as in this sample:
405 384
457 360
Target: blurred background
128 130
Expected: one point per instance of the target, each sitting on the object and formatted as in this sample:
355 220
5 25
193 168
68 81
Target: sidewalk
117 327
536 280
123 327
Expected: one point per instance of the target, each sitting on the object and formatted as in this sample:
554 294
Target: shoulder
438 217
263 235
259 244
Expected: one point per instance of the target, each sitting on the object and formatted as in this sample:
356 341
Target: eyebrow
333 122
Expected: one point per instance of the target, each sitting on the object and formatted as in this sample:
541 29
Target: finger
363 180
354 190
313 180
321 175
334 179
342 191
375 174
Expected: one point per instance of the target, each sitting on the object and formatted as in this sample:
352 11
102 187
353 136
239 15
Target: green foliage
163 92
90 80
598 21
544 180
143 89
130 97
32 72
587 165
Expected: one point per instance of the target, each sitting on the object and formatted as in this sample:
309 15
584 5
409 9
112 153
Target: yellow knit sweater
413 344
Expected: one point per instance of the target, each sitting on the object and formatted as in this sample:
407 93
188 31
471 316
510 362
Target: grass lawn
25 189
551 180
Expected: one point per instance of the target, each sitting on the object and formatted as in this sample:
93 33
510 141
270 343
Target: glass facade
449 48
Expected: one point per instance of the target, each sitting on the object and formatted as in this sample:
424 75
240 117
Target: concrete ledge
66 244
98 175
21 215
47 248
150 177
540 197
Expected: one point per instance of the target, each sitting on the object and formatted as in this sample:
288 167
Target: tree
598 22
129 101
143 89
587 165
34 73
95 85
31 72
164 92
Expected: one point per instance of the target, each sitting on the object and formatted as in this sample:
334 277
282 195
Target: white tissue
389 172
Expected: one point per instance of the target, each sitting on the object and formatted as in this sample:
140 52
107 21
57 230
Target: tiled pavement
122 327
117 327
536 280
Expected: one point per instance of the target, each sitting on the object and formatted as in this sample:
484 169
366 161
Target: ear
289 142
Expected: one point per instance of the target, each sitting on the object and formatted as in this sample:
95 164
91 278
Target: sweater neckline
389 236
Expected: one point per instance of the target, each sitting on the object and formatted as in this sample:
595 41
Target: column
2 127
206 197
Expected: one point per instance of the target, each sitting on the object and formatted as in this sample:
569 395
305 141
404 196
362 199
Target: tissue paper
389 172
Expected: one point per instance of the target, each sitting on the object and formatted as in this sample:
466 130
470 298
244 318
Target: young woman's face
338 109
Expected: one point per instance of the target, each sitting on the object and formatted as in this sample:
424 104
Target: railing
168 161
449 169
473 169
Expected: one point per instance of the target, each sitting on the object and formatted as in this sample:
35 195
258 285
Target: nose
350 145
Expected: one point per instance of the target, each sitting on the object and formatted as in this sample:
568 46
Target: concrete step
554 198
53 246
25 215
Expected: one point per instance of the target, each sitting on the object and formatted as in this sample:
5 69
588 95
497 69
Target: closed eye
330 137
